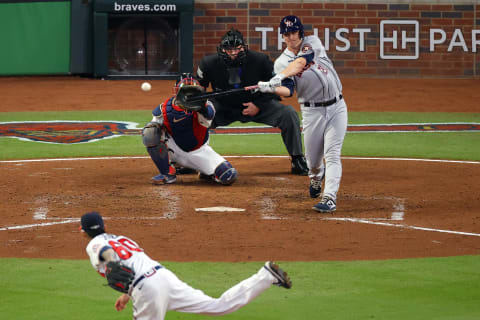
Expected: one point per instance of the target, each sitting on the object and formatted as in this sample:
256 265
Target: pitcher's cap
92 221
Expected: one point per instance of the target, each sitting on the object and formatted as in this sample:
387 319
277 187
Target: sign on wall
397 39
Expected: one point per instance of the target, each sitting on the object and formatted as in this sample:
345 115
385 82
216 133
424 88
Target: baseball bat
217 94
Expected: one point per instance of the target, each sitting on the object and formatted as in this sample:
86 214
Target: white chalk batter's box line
147 157
354 220
41 212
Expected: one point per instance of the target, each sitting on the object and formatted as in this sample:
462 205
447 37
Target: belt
143 276
323 104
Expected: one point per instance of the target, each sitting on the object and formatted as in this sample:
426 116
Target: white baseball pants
163 291
204 159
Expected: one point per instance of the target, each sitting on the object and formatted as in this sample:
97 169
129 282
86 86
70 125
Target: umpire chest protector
256 67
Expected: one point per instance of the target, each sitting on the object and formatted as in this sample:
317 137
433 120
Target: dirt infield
81 94
386 209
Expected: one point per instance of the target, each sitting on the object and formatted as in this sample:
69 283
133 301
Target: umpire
234 66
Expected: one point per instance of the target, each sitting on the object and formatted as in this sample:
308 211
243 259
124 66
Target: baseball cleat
164 179
316 186
185 170
299 166
206 177
283 280
327 205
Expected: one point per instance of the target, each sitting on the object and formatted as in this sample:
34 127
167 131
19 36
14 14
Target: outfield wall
35 38
441 39
423 38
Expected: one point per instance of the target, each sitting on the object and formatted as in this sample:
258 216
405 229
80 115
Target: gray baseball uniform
324 111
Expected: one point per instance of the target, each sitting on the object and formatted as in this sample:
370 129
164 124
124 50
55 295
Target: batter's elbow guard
225 173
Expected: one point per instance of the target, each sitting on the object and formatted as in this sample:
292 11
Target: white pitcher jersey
126 250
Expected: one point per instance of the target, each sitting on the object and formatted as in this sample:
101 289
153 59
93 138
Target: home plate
220 209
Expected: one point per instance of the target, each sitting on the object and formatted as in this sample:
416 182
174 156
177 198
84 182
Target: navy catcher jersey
189 129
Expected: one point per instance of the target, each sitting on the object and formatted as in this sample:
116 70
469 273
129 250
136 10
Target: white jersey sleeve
126 250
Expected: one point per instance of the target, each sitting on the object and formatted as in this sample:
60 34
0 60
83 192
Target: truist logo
67 131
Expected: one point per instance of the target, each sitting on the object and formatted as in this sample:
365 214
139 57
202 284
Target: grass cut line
260 156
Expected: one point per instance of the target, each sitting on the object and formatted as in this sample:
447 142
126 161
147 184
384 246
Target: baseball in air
146 86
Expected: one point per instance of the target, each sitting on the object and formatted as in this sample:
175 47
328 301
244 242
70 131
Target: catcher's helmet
291 24
187 86
185 79
232 40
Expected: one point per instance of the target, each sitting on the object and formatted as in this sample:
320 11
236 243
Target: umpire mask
232 48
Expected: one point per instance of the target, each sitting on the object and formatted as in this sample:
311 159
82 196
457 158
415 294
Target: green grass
430 288
438 145
410 117
459 146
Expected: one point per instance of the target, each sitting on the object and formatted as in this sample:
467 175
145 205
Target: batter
155 289
305 66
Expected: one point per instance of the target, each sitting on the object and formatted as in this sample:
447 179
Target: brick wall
452 57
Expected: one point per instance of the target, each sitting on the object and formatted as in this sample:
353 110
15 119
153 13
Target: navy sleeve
309 57
290 84
102 251
157 111
207 111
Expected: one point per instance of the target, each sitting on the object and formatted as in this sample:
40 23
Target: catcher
179 133
153 288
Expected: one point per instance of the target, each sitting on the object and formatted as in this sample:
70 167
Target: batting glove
277 80
265 87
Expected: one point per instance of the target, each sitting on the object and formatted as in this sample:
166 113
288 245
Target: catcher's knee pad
225 173
152 134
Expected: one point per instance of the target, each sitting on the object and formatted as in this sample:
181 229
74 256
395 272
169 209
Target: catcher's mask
232 48
185 79
291 24
92 224
187 86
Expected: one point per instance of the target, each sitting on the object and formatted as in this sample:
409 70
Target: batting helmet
291 24
232 40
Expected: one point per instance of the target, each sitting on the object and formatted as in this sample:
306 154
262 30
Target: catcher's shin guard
159 155
225 173
154 139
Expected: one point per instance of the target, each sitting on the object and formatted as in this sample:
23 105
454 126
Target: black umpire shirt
256 67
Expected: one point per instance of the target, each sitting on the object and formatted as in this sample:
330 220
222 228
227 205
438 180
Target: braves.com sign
398 39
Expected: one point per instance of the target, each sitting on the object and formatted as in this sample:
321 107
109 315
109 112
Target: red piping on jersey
165 118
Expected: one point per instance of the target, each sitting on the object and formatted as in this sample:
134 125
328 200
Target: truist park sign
398 39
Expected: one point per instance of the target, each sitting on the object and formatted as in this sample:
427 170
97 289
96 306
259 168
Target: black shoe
185 170
206 177
299 166
283 280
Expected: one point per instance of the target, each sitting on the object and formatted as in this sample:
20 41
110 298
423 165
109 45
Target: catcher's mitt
119 277
187 92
